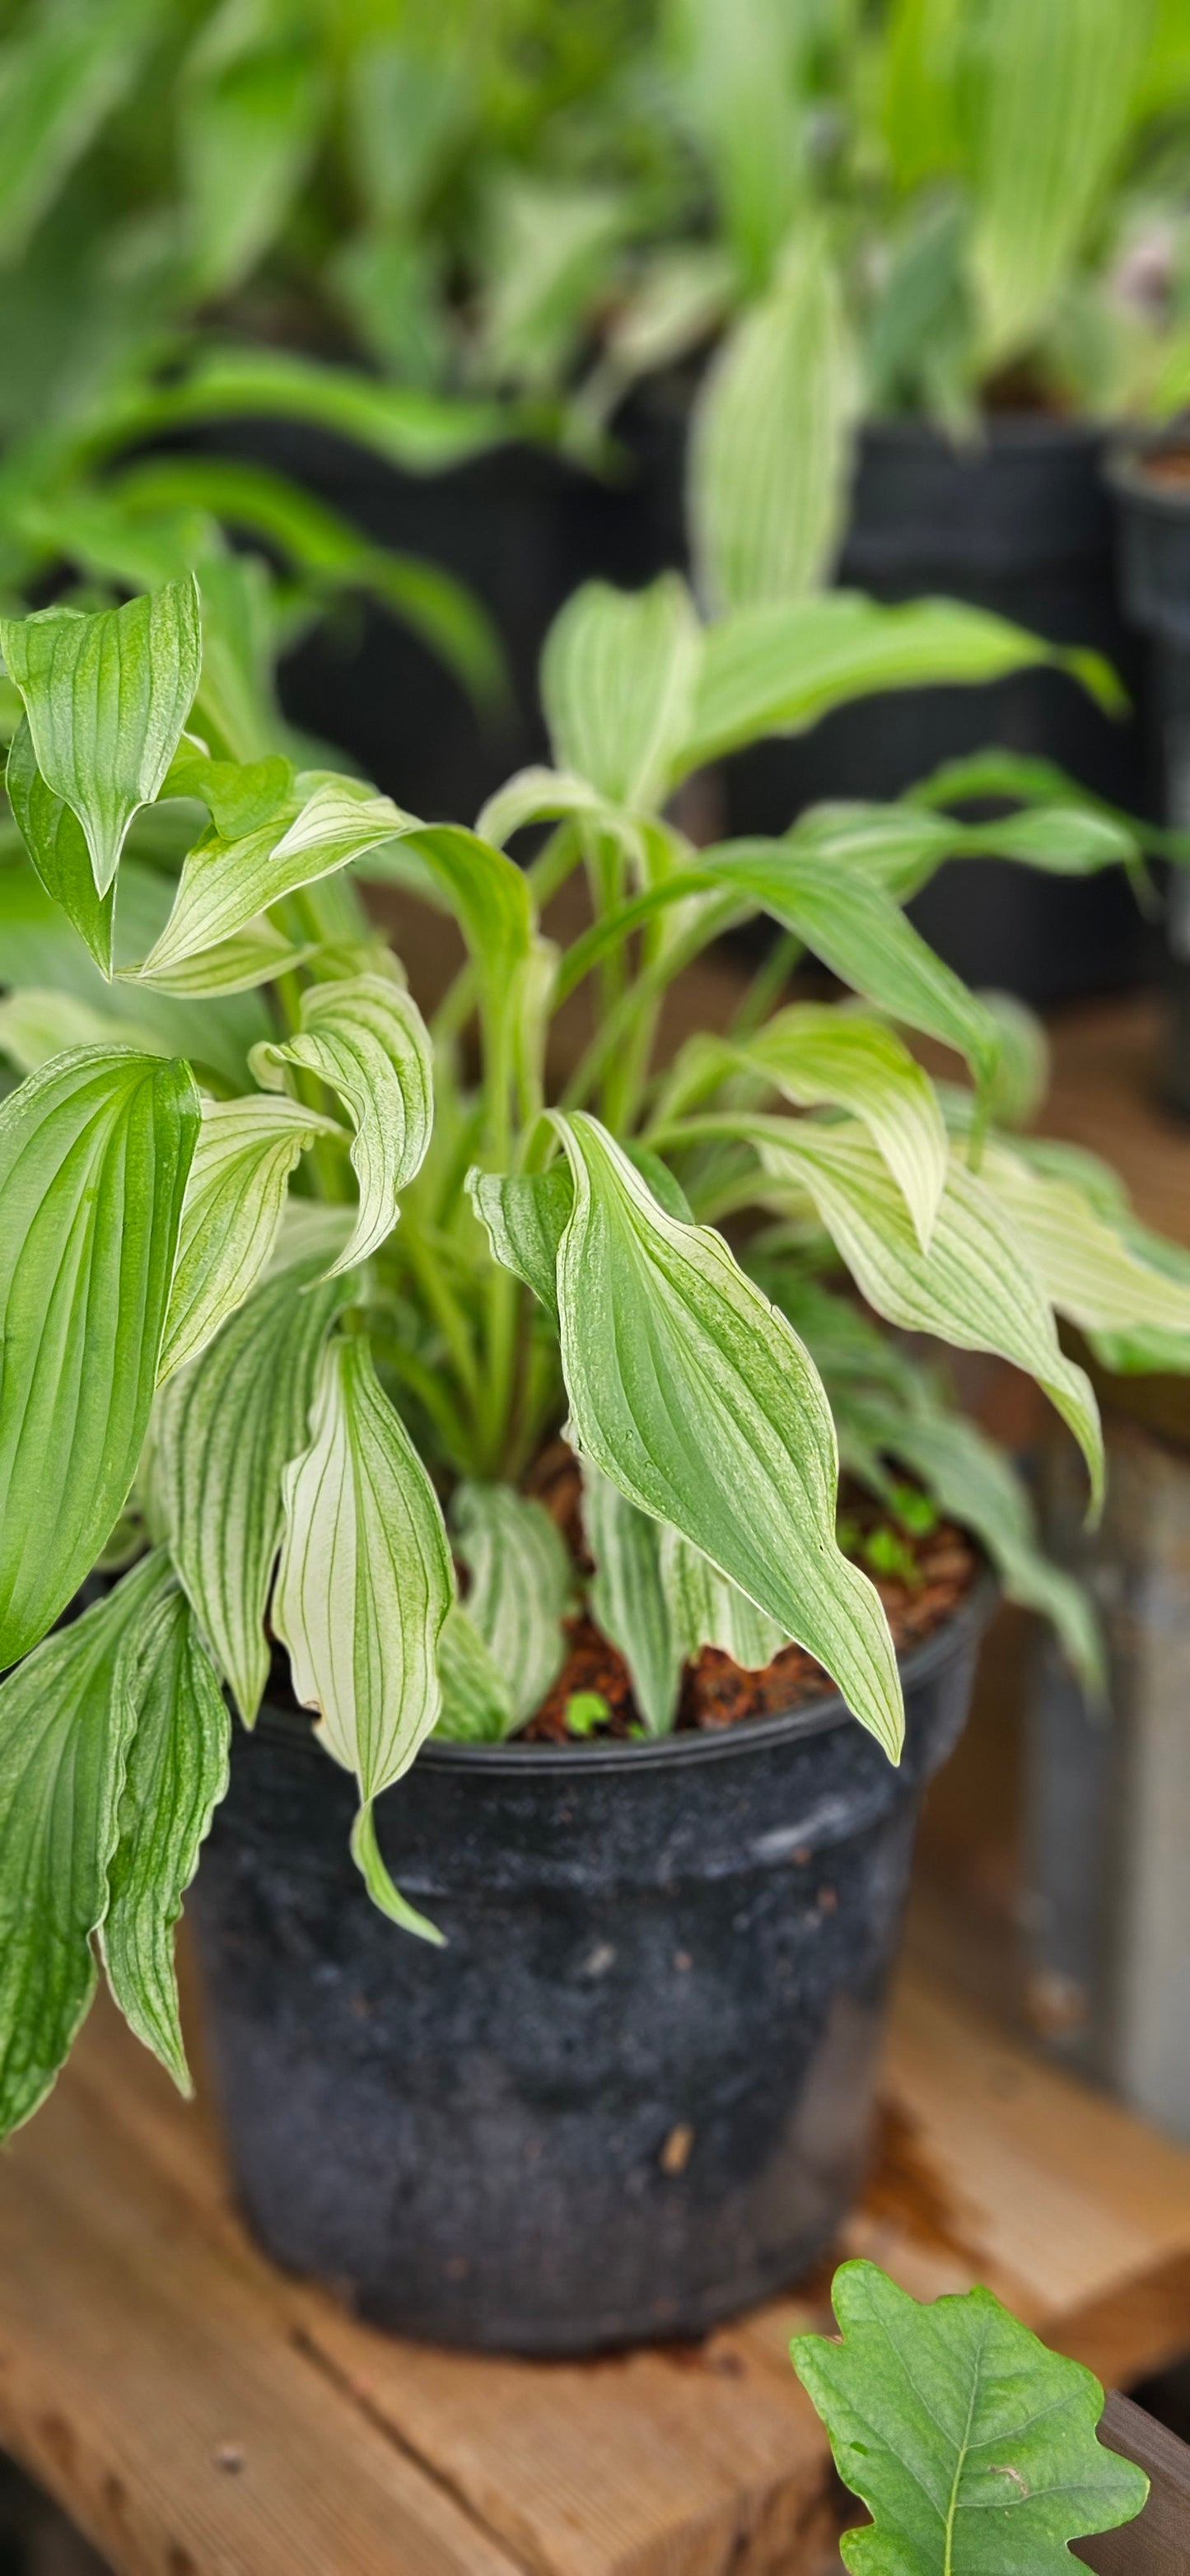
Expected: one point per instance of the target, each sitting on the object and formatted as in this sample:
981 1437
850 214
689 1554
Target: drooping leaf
521 1580
367 1039
106 698
365 1578
56 843
698 1400
975 1288
972 1481
525 1218
245 1153
971 2443
64 1733
770 443
862 935
778 667
630 1602
95 1149
476 1695
814 1053
225 883
1090 1269
617 685
539 796
232 1424
253 956
708 1610
419 431
175 1776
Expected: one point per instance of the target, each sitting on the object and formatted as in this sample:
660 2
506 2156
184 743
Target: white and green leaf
698 1400
57 846
476 1696
708 1610
521 1581
95 1151
617 685
235 1197
106 698
813 1053
366 1039
629 1599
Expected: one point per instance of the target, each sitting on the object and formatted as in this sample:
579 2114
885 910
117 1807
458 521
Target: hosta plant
295 1287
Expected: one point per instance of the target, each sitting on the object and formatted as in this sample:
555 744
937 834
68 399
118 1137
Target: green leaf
60 77
35 1025
1089 1267
176 1774
525 1220
239 795
365 1579
1050 103
229 1427
777 668
489 897
862 935
698 1400
741 78
544 796
617 685
630 1602
106 698
973 1482
521 1581
476 1697
225 883
975 1288
248 126
235 1196
366 1039
365 1852
95 1149
56 843
972 2445
423 433
253 956
707 1610
770 440
64 1732
814 1052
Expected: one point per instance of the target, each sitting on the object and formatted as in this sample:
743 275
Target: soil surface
717 1692
1169 465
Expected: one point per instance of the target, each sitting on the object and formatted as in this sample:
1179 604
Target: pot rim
1023 432
580 1761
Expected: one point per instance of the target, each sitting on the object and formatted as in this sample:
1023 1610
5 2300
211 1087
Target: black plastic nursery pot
1018 522
633 2091
1152 496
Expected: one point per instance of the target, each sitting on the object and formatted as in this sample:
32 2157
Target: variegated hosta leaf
238 794
972 1481
255 955
778 667
1090 1270
366 1039
707 1610
617 685
95 1149
57 846
544 796
223 1433
35 1025
227 881
524 1218
106 698
770 447
1021 1079
817 1053
364 1584
629 1600
490 898
697 1398
521 1581
476 1698
976 1288
861 934
1050 105
176 1774
63 1739
245 1153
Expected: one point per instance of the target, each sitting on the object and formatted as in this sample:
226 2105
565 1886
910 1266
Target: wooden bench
198 2414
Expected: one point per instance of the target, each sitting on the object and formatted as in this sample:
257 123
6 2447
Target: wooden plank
200 2415
1158 2542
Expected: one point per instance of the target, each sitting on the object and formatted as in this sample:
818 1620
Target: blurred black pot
1150 481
